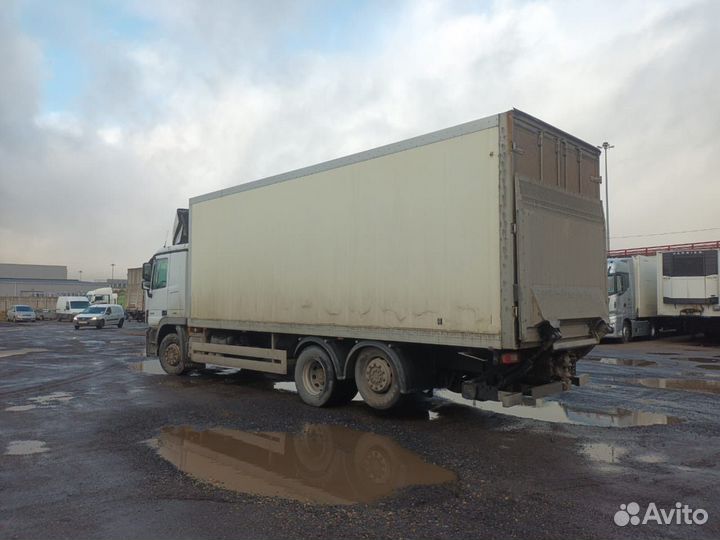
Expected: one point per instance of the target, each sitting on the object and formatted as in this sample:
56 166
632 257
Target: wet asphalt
96 444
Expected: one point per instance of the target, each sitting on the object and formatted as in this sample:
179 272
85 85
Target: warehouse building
38 280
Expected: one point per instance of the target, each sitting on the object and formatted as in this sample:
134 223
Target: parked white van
69 306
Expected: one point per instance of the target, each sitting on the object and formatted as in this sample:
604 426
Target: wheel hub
379 375
172 355
314 377
376 467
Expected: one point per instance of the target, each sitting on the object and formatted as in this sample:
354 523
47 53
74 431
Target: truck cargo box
472 236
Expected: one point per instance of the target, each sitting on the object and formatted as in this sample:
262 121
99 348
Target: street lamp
80 272
112 278
606 146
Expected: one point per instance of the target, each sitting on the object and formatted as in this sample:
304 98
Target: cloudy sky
113 114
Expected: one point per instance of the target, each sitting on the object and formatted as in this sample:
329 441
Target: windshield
79 304
23 308
95 310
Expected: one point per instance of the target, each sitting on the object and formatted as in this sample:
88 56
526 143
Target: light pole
606 146
112 277
80 272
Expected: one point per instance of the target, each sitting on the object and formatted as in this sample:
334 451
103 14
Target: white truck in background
103 295
632 297
689 286
471 258
663 288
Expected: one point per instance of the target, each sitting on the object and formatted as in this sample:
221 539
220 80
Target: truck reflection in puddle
552 411
622 362
690 385
323 464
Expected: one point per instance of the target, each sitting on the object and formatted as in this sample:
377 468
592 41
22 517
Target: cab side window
159 277
625 279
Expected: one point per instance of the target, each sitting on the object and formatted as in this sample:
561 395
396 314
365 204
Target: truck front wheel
626 335
315 377
171 357
377 379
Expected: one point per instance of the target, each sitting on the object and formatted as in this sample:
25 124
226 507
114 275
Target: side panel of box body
404 246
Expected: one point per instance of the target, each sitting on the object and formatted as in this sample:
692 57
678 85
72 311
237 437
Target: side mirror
146 272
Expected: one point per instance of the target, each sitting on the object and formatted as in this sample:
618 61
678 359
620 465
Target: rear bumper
574 343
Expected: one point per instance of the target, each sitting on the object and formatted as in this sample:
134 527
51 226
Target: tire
653 330
171 356
121 322
315 377
100 325
77 327
377 379
626 332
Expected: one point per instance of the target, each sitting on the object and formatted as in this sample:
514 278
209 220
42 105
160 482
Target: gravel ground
89 449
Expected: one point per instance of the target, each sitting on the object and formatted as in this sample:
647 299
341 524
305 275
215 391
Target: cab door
157 302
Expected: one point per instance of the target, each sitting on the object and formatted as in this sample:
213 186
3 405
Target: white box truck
663 288
632 297
689 286
472 258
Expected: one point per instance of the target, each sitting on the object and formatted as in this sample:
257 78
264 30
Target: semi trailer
688 287
663 288
472 258
135 297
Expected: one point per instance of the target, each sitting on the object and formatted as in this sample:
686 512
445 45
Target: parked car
42 314
100 315
21 313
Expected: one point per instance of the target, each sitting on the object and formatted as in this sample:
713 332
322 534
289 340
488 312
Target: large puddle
323 464
552 411
691 385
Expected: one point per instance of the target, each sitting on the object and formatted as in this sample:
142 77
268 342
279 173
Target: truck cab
103 295
621 298
164 280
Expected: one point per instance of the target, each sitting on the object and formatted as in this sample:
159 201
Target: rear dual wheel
377 379
317 382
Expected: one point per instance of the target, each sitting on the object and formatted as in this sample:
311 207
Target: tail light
509 358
